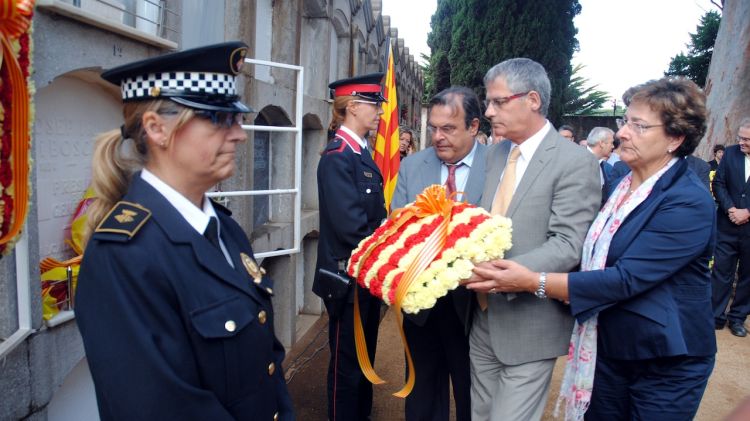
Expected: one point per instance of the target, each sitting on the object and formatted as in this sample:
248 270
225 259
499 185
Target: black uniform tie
212 232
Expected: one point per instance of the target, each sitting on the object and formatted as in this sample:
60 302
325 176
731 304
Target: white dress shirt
197 218
527 151
362 142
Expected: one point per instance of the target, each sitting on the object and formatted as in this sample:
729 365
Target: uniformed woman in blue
350 193
174 311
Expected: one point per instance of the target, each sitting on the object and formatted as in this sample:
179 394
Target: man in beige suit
549 187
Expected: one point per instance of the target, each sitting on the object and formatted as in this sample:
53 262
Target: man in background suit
550 189
731 189
601 143
438 337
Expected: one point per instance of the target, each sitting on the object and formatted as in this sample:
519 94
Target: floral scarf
578 380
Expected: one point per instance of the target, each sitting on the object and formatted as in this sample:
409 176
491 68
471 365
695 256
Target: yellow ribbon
15 18
432 201
54 271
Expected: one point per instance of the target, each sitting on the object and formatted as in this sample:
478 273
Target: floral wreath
420 254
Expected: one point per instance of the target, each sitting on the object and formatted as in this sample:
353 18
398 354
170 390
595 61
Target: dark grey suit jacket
552 208
421 170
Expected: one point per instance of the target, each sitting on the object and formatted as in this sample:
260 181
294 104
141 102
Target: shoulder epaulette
335 146
124 218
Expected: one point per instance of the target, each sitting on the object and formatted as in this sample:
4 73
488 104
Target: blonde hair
113 166
339 111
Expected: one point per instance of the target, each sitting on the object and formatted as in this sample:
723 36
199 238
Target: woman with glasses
644 336
175 314
350 194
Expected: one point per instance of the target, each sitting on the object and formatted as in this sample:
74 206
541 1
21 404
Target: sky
621 42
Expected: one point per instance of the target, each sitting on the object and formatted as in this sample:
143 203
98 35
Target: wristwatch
541 291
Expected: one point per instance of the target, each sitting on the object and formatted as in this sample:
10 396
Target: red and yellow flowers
473 236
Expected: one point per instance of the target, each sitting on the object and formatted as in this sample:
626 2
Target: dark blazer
619 170
170 329
352 206
421 170
730 187
654 296
701 169
607 170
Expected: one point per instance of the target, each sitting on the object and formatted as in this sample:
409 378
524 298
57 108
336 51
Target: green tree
694 64
470 36
439 40
429 82
581 99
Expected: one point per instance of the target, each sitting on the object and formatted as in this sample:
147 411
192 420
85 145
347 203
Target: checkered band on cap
162 84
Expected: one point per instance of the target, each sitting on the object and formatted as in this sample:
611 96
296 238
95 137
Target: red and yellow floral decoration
16 112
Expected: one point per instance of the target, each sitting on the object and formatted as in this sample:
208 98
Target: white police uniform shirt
197 218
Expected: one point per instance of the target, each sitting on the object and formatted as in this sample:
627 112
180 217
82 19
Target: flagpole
388 52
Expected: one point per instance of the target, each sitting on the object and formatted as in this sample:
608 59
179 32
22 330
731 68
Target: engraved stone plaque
70 113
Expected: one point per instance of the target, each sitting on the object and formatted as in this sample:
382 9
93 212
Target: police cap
203 78
365 87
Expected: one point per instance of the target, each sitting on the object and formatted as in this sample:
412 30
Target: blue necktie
212 232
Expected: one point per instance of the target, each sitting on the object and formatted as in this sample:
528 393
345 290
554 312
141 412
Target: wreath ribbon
432 201
15 19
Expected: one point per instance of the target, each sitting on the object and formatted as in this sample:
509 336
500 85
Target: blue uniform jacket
654 296
350 191
171 331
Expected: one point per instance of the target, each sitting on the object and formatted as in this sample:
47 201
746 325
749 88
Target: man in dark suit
438 338
731 189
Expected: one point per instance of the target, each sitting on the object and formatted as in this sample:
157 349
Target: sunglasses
221 119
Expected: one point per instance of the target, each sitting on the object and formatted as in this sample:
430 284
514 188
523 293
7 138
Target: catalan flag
386 154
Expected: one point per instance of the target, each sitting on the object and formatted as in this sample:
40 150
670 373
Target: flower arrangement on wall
16 115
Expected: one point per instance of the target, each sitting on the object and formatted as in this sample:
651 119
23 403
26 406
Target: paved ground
306 366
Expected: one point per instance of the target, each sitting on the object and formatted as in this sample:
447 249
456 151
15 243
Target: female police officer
350 192
175 313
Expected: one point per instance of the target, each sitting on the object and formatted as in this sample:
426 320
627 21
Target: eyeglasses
741 139
636 127
447 130
362 101
499 102
221 119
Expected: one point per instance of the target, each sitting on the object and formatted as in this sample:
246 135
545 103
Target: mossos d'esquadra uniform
352 206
